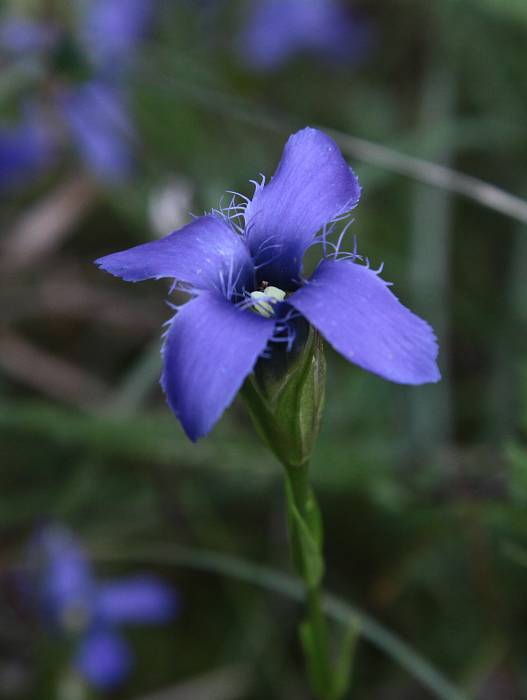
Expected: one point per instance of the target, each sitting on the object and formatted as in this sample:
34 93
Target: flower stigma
269 296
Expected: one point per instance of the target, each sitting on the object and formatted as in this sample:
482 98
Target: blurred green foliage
424 491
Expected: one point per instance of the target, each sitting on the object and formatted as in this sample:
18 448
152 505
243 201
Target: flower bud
285 396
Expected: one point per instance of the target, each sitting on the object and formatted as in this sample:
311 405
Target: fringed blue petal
357 313
209 350
312 185
206 254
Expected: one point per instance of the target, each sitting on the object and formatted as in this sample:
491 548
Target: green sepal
285 397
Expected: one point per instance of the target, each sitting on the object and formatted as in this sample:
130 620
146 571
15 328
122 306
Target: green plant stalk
314 632
285 399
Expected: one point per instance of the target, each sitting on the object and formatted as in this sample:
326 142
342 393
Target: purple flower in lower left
74 602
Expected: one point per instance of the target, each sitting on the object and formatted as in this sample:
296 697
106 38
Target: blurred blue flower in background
111 30
84 84
278 30
248 258
97 118
26 149
22 36
75 603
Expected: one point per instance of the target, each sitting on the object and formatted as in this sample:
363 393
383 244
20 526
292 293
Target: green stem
319 628
302 512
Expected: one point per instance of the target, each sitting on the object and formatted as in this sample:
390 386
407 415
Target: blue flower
93 110
278 30
96 116
19 35
112 29
26 149
227 259
74 602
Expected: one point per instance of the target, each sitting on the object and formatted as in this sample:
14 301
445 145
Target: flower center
75 616
266 297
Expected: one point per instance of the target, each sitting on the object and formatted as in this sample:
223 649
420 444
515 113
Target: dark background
423 490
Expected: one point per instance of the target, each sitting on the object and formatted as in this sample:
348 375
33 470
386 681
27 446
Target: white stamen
271 296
